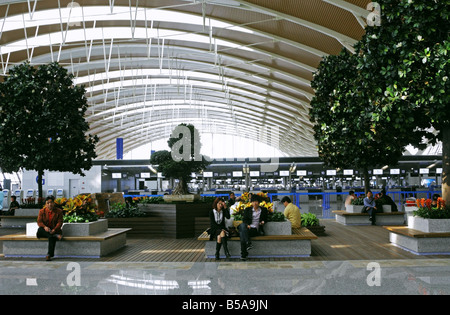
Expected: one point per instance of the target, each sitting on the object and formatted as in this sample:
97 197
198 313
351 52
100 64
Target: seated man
292 212
12 206
252 224
370 207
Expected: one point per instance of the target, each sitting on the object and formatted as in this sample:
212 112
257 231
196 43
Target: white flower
419 38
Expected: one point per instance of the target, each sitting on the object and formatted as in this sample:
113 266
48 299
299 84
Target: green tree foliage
406 59
183 159
42 123
390 93
346 130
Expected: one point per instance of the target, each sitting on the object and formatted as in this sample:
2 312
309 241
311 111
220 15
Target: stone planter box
85 229
181 198
354 209
27 212
409 212
387 208
278 228
273 228
429 225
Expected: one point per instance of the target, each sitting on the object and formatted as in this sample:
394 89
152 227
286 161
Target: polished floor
354 260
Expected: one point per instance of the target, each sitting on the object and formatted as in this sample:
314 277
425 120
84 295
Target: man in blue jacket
252 224
370 207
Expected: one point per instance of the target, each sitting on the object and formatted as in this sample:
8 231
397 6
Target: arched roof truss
236 67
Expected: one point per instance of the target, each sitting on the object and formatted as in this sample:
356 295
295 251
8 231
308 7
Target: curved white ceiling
232 67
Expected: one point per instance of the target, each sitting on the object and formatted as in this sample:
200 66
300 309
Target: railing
325 200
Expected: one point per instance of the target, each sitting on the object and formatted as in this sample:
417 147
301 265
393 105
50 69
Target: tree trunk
39 182
366 180
446 164
181 188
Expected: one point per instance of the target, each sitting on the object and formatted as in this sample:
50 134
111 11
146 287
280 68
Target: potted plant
144 202
311 222
79 209
80 216
120 210
430 218
181 161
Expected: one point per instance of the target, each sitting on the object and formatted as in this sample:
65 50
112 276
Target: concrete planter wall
182 198
85 229
26 212
387 208
429 225
278 228
354 209
409 212
273 228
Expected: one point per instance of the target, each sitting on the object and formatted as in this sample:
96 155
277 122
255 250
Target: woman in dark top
218 230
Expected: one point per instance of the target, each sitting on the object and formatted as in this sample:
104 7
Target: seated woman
50 221
218 230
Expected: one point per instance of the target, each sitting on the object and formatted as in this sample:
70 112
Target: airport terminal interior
240 71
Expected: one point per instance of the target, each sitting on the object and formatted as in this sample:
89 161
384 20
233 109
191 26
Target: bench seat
298 244
93 246
418 242
383 218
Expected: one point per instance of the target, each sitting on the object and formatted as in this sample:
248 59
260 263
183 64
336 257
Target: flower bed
429 217
80 209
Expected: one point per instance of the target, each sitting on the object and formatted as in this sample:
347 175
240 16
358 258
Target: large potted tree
181 161
180 208
43 125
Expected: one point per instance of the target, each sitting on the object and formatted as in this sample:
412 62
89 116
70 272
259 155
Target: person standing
50 221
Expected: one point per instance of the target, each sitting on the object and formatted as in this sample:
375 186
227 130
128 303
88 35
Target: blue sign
119 148
43 180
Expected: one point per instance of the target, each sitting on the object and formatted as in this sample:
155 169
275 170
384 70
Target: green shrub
120 210
276 217
309 219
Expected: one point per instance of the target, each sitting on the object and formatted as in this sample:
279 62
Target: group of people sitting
373 205
253 221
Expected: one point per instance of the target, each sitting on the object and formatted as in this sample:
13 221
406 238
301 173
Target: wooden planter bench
298 244
418 242
384 218
93 246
